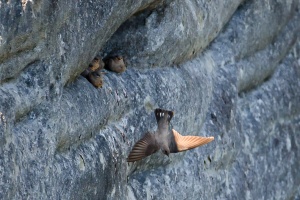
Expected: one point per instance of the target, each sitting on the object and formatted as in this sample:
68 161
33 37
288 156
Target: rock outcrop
228 69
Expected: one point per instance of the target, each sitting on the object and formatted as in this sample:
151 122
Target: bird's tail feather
160 113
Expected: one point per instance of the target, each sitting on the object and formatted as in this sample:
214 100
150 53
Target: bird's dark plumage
143 148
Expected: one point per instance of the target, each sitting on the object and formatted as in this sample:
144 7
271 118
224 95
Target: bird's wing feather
143 148
184 143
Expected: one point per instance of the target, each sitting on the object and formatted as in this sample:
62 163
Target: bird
93 73
96 64
165 140
95 78
115 64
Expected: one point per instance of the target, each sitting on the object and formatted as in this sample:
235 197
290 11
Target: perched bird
167 141
95 78
93 73
115 64
96 64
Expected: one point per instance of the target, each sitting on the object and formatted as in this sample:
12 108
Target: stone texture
228 69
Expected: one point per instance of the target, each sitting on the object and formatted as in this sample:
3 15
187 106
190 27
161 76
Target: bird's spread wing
183 143
143 148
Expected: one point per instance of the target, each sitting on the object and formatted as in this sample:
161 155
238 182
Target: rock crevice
229 70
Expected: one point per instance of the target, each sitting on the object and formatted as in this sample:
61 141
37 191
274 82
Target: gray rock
228 69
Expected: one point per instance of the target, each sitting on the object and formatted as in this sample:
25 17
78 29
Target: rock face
229 69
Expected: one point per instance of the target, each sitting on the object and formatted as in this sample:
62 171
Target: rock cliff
228 69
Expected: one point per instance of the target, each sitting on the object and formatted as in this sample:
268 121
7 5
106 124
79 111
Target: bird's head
119 58
166 151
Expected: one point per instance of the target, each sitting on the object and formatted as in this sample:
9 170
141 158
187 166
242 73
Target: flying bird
164 139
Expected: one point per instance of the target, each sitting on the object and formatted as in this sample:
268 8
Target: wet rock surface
229 70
